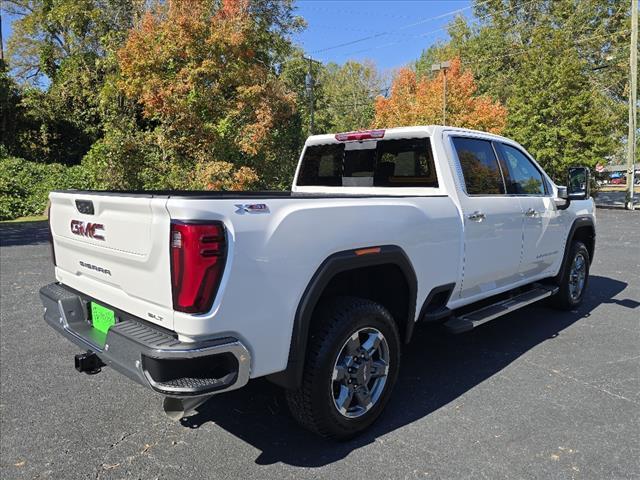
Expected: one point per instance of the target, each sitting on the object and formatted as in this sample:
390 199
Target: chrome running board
469 321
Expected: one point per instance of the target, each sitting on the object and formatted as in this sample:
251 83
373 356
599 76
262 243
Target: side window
523 176
480 167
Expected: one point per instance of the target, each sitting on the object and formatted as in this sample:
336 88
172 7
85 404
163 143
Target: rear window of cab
371 163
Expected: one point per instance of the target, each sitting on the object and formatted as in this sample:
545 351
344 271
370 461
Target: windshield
382 163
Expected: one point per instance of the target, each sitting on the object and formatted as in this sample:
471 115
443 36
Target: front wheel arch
565 298
582 229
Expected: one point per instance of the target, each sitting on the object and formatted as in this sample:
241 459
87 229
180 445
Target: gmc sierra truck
195 293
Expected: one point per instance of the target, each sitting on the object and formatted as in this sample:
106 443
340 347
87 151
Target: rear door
492 220
115 248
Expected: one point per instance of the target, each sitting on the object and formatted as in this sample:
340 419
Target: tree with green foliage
291 135
58 52
349 92
10 112
556 112
558 67
47 33
211 94
418 101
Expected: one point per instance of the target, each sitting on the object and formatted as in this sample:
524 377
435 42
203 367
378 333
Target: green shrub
25 186
124 161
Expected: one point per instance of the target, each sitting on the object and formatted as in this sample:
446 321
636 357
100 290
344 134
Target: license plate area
102 318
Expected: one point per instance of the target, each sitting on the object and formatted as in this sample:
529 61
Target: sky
392 33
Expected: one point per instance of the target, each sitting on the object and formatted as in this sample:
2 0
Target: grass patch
32 218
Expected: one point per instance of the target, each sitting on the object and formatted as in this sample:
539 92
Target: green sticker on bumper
102 318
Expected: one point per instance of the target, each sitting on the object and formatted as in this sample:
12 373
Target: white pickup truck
195 293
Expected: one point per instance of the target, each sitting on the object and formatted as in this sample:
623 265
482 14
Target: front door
492 221
543 236
543 225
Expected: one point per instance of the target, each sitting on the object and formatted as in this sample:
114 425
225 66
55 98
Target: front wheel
574 278
352 363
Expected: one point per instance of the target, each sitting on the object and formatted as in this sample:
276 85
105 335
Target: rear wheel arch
346 273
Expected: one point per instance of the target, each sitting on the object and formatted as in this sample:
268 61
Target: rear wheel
352 363
574 278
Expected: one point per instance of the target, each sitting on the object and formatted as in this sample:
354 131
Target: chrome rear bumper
148 355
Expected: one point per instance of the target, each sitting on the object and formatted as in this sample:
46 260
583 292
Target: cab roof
391 134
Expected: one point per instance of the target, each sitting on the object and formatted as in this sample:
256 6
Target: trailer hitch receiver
88 363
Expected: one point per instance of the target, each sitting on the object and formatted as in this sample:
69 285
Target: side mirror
578 188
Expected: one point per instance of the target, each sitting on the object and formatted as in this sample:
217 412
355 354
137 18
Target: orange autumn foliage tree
416 101
202 72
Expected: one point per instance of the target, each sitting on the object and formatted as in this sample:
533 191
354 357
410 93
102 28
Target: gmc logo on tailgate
87 229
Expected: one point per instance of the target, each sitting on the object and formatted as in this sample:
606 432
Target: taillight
53 250
362 135
197 261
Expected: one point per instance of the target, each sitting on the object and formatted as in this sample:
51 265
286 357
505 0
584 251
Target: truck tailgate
115 248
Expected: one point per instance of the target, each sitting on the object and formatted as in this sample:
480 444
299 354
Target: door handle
477 216
531 213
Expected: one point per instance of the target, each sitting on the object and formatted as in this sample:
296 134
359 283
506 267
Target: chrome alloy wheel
360 372
577 276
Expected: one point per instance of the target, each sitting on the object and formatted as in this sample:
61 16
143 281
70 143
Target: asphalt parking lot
537 394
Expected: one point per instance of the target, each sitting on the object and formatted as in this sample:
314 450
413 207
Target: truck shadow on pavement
437 368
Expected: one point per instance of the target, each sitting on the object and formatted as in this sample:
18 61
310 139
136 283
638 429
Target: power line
481 17
522 52
390 32
423 35
363 30
359 13
528 50
611 94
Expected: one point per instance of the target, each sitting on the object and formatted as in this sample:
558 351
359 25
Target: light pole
444 66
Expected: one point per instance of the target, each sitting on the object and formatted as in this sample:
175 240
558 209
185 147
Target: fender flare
291 376
578 222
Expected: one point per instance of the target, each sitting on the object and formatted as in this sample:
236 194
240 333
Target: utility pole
309 84
444 66
633 100
3 67
1 40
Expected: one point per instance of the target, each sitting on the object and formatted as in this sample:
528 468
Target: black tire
335 322
565 299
